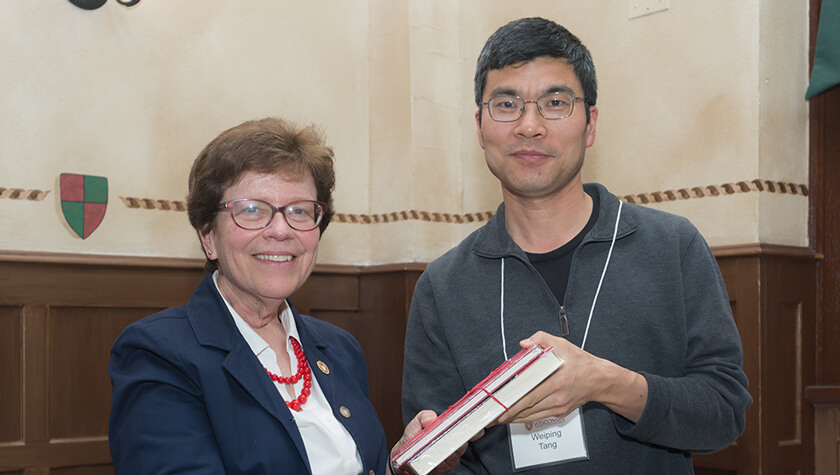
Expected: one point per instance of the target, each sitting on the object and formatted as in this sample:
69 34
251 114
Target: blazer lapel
243 366
213 326
327 381
322 368
240 365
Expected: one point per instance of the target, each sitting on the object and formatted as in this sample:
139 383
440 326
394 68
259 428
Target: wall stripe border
697 192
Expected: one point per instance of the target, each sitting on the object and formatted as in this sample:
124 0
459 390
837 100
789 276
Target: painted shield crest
83 201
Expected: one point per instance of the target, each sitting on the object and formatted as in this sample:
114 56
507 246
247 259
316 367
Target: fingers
545 340
542 396
538 411
526 414
420 421
476 437
538 415
552 397
426 417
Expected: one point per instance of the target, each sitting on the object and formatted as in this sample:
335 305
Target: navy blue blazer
189 395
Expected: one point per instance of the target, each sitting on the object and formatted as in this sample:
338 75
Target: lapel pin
323 367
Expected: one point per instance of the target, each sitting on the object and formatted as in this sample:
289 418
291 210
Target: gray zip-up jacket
662 311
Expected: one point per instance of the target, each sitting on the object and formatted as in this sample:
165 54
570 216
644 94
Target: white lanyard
595 299
559 440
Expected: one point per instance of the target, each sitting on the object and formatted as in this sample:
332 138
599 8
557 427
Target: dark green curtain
826 71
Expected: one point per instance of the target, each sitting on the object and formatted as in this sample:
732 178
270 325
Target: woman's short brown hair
269 145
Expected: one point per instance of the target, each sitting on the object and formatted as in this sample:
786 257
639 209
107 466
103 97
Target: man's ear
478 127
590 127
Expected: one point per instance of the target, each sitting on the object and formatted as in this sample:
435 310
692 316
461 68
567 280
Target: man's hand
420 421
582 378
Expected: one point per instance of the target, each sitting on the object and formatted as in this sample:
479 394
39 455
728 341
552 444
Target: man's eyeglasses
554 105
303 215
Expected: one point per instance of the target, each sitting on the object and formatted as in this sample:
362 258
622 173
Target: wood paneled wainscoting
826 402
772 291
59 315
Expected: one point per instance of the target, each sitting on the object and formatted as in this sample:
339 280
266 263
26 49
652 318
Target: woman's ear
208 243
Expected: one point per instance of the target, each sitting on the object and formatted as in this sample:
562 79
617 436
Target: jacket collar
209 318
213 326
492 240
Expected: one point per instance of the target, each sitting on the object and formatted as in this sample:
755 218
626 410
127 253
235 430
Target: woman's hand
420 421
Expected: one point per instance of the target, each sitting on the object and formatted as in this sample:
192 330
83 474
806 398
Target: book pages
477 409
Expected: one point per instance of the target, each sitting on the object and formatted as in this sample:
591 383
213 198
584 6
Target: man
631 298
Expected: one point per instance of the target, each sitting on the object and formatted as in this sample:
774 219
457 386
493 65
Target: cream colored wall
703 93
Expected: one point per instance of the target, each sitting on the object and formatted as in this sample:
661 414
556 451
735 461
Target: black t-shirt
554 266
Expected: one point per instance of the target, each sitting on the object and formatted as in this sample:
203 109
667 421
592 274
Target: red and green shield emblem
83 201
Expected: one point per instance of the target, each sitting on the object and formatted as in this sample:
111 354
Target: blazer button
371 473
344 412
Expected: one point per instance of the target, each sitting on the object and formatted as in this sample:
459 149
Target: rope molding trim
414 215
434 217
166 205
147 203
21 194
717 190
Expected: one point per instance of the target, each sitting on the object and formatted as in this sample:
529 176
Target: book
483 404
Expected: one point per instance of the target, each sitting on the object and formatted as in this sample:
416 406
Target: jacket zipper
564 322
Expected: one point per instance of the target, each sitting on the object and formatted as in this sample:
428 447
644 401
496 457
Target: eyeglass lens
256 214
556 105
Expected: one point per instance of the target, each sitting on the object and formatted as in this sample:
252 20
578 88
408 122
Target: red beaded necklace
303 373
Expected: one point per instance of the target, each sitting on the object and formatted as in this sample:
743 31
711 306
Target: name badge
549 441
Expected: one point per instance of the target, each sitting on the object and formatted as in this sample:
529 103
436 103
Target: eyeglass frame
535 101
274 210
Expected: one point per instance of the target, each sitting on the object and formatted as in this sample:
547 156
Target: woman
237 381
